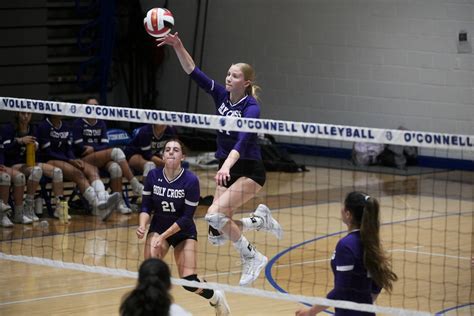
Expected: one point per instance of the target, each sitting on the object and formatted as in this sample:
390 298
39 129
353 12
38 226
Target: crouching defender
171 193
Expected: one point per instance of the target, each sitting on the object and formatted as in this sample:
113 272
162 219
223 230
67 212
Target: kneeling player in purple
360 266
171 194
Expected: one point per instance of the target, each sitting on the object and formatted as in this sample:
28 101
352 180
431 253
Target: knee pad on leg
192 277
36 174
217 220
149 165
5 179
117 155
57 175
19 180
114 170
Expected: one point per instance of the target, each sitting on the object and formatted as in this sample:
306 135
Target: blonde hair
249 74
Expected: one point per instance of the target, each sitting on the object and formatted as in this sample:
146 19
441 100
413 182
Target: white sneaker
107 208
251 268
6 222
221 306
269 223
29 210
4 210
123 208
137 188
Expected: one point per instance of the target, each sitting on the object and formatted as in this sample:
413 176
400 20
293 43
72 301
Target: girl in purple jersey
55 142
241 173
360 266
10 177
171 194
92 145
23 133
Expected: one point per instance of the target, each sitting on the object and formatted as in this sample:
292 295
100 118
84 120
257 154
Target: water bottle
39 206
64 216
30 154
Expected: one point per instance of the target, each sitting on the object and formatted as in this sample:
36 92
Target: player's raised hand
168 39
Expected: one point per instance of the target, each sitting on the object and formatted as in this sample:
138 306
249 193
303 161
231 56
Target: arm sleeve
344 260
243 138
146 196
208 84
143 144
77 138
375 288
190 204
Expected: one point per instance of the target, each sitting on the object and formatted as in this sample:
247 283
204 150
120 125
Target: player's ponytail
249 74
365 210
151 295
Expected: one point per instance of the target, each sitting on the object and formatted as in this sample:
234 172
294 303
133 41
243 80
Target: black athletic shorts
177 238
252 169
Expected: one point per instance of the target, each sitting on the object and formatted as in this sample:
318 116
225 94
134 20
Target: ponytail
365 210
249 74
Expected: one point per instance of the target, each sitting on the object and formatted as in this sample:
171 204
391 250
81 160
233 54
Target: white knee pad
117 155
217 220
36 174
5 179
57 175
114 170
19 180
148 167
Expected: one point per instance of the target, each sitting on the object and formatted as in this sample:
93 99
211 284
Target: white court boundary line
224 287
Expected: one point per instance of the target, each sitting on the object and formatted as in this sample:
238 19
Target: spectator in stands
55 142
9 176
151 296
144 152
361 267
23 132
92 145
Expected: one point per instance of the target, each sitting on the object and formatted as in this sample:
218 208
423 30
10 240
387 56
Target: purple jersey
171 201
243 142
147 144
86 134
54 143
352 281
16 153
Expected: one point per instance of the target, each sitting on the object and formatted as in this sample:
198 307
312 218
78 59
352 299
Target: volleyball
158 22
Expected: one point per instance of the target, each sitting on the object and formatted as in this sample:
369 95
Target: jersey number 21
168 206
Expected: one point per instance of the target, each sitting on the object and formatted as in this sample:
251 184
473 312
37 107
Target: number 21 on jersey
168 206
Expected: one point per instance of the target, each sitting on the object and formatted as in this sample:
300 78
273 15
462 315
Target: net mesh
427 211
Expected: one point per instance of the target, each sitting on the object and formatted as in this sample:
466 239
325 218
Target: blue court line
268 268
453 308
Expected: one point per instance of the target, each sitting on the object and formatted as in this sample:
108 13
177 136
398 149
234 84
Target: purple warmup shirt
55 143
245 143
16 153
171 201
351 279
86 134
147 144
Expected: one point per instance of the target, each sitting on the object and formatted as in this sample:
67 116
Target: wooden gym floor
428 230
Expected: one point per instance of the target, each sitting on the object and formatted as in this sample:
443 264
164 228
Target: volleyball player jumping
241 172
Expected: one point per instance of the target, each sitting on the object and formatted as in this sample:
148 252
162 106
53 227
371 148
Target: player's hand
87 150
157 242
78 163
168 39
222 176
27 140
141 232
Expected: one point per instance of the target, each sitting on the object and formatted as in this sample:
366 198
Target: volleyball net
424 182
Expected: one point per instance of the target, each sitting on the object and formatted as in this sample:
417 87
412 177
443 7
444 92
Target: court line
433 254
453 308
66 295
271 262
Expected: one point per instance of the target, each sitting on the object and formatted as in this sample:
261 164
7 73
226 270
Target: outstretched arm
185 59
